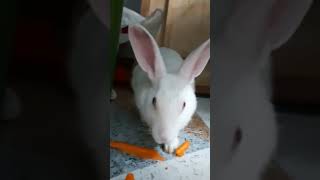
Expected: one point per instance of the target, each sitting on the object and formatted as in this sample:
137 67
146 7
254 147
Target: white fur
130 17
171 89
171 93
243 46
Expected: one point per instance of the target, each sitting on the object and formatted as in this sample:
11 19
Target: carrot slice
130 176
140 152
183 148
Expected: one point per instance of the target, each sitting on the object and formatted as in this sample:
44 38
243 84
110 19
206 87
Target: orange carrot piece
129 176
137 151
183 148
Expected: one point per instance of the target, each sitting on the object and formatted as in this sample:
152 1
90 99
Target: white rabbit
130 17
152 22
241 102
163 85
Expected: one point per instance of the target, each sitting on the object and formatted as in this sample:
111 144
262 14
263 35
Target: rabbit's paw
172 146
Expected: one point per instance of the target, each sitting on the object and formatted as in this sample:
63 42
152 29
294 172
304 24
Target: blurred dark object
8 16
44 141
43 38
296 65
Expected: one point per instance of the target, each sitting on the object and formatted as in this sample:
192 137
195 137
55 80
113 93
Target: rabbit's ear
153 22
146 52
101 9
195 63
131 16
285 18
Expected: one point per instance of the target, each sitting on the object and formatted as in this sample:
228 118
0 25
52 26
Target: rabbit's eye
184 105
154 101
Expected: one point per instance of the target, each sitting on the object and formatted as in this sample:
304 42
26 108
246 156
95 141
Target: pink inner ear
196 62
201 61
144 50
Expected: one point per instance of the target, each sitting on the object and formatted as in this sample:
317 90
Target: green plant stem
116 15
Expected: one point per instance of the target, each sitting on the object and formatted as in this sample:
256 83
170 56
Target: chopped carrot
129 176
183 148
137 151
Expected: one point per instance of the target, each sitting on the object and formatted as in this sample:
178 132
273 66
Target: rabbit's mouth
157 140
163 140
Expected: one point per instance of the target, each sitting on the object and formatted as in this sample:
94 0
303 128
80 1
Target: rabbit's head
171 102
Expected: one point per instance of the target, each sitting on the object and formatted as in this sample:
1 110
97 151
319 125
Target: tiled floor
204 110
194 165
298 153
